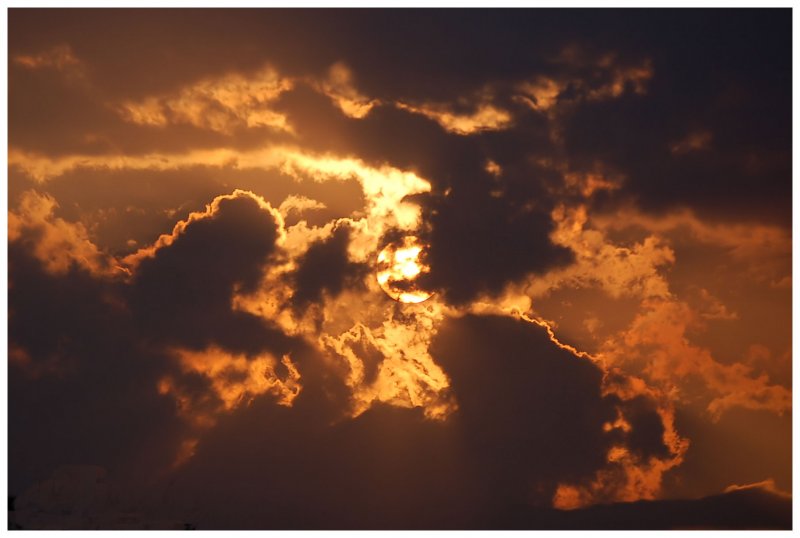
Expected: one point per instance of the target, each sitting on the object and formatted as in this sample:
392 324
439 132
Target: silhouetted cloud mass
388 269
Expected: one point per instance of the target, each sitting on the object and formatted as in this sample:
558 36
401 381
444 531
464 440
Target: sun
399 266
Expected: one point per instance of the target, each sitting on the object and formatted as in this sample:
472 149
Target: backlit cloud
486 117
57 243
324 270
219 104
59 57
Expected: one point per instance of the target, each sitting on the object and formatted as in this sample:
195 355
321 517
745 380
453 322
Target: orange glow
220 104
334 272
59 57
60 244
399 266
407 375
234 380
486 117
340 89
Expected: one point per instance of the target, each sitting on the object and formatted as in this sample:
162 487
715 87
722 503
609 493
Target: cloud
220 104
325 268
385 187
338 86
510 404
43 168
737 177
486 117
512 400
379 348
182 286
763 248
251 347
617 270
644 414
766 485
57 243
585 76
233 380
298 204
59 57
695 141
657 345
87 390
713 308
657 342
754 509
162 348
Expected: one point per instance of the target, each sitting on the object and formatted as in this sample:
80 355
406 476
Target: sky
382 268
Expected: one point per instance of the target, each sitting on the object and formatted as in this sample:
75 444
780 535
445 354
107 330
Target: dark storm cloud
381 470
744 169
84 391
538 405
386 134
727 73
182 294
88 352
480 242
177 48
530 416
325 268
646 437
711 132
486 232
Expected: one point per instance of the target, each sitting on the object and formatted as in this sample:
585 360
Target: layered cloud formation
193 299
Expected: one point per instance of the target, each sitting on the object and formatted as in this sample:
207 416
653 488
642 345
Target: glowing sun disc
399 266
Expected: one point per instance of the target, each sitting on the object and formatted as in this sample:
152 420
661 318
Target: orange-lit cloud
220 104
409 280
618 270
764 249
657 344
59 57
384 187
628 477
583 182
234 379
384 353
42 168
57 243
406 374
768 485
399 368
339 87
694 141
165 240
712 308
486 117
298 205
546 93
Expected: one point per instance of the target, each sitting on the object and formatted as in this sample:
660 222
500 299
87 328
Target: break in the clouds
324 269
